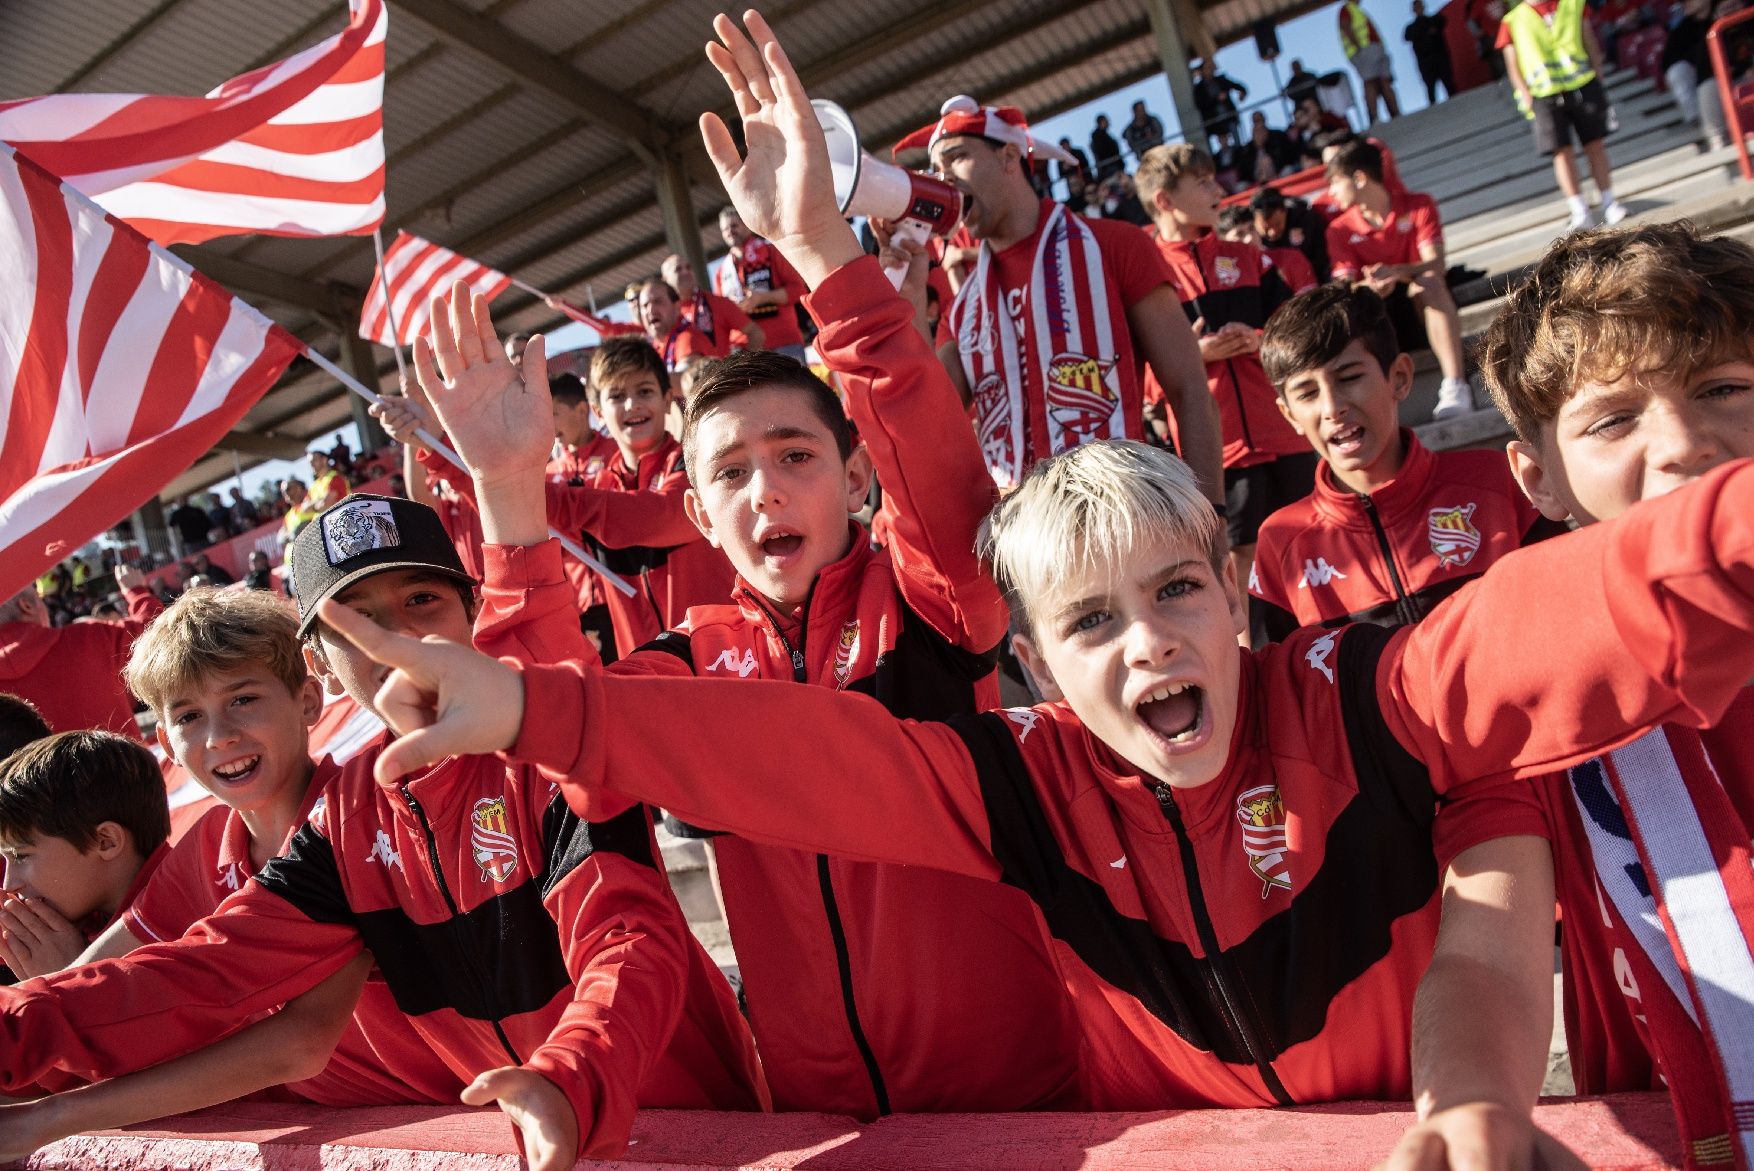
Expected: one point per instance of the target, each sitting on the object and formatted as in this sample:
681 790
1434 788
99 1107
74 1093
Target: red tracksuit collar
835 587
1340 505
651 464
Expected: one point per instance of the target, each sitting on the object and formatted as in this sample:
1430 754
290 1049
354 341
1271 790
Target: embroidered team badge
489 840
595 465
1227 269
1261 813
358 527
1454 538
846 649
1079 397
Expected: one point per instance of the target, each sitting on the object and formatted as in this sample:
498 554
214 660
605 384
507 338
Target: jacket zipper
1242 413
473 960
1404 607
1243 1025
825 881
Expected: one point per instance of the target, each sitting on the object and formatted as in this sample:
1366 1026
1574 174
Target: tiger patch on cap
356 527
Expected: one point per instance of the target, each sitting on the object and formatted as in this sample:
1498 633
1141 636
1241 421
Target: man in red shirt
679 344
719 319
1048 334
762 283
73 674
1392 242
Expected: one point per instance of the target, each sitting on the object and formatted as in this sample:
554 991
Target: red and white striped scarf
1672 857
1061 386
752 272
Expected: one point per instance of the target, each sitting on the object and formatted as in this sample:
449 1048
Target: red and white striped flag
290 149
418 270
120 366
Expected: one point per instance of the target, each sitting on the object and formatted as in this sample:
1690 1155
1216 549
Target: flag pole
567 543
390 307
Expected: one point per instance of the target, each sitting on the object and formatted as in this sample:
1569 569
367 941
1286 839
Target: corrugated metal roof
484 160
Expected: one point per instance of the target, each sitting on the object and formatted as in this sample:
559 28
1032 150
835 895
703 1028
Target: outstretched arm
1160 329
292 1045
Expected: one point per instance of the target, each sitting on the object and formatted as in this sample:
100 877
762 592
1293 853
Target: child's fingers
722 60
536 362
748 58
462 318
411 753
721 148
404 704
779 65
485 335
382 646
17 931
443 340
426 371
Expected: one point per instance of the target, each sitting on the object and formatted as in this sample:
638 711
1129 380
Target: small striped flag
415 271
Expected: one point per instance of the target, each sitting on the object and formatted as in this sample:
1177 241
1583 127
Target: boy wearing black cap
505 926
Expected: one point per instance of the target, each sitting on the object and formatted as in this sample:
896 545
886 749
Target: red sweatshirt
509 931
576 466
74 673
1340 556
1258 939
380 1059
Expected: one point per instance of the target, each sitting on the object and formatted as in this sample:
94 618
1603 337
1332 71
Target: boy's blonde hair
1093 505
206 632
1603 305
1162 167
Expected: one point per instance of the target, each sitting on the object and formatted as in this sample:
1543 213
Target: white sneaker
1613 213
1454 397
1579 221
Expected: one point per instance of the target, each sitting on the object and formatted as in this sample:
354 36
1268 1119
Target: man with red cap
1047 336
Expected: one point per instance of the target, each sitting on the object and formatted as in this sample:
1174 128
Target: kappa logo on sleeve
728 660
1319 650
383 851
1025 718
1315 573
232 876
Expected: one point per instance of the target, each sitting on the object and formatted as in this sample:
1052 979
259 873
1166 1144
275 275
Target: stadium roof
529 134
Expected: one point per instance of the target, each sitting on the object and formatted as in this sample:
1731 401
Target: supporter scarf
1061 388
700 315
1673 858
750 273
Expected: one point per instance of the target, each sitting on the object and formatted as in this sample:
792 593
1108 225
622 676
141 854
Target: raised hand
129 577
500 419
442 699
542 1114
781 185
405 414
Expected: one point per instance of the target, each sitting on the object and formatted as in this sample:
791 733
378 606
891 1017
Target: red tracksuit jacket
851 1013
73 674
1256 940
509 931
1340 556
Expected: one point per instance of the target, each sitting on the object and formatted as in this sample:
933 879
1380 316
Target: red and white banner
290 149
120 366
417 271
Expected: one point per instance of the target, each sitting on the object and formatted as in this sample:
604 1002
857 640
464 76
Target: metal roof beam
528 63
241 276
115 48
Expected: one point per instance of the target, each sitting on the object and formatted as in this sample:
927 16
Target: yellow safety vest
1552 57
1355 29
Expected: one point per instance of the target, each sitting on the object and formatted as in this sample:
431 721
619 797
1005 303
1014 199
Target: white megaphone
918 206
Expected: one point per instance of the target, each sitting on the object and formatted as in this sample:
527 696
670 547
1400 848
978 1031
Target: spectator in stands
1289 223
218 518
1237 224
299 510
261 575
764 286
328 485
73 673
1267 153
1370 57
1143 132
1212 91
1075 175
681 346
20 724
1301 85
203 565
1687 69
719 319
1552 58
191 525
1118 199
83 823
1392 242
1105 152
243 514
1309 122
1431 51
341 457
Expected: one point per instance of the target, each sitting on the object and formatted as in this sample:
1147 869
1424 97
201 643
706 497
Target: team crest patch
1078 393
1261 812
358 527
1227 270
1454 538
490 840
846 649
595 465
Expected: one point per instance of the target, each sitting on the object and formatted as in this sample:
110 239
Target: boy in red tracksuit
1228 291
1231 847
1392 528
1625 367
583 453
1237 225
73 674
544 959
871 989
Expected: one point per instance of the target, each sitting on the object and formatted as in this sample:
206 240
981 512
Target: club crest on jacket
1454 538
1261 813
490 843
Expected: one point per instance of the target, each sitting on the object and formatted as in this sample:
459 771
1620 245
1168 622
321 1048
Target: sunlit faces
770 488
1343 189
1615 444
80 884
572 422
633 405
1145 653
732 229
980 170
679 275
243 736
658 309
1193 201
1347 410
415 602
